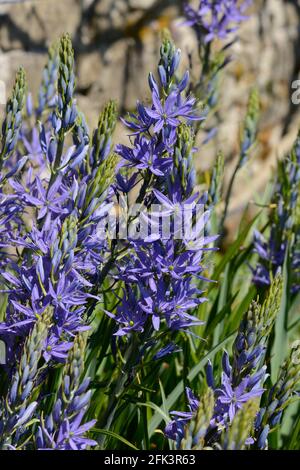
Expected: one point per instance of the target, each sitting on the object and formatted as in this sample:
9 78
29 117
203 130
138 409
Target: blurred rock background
117 42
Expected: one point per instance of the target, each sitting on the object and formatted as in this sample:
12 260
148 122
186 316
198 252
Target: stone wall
116 44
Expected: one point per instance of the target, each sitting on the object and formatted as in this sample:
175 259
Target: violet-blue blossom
175 428
217 18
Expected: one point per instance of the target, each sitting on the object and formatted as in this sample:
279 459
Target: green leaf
280 345
294 441
224 290
158 409
3 306
115 436
232 250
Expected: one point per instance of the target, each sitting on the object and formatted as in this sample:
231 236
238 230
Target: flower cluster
217 18
9 206
160 271
277 398
52 201
108 267
242 381
12 123
48 268
51 214
62 429
18 407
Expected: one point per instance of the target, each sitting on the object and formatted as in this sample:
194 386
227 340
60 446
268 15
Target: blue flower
175 428
167 113
217 18
231 399
71 434
146 154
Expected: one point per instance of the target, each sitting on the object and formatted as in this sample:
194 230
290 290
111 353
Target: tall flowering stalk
48 268
63 429
20 404
241 380
11 164
65 114
104 258
247 142
54 263
217 18
102 139
213 20
13 120
283 226
216 23
194 427
277 398
158 272
48 88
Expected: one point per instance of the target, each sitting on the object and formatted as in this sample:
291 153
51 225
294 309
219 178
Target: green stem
228 196
108 417
124 378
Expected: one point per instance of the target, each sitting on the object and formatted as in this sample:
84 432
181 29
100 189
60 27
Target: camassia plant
117 305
